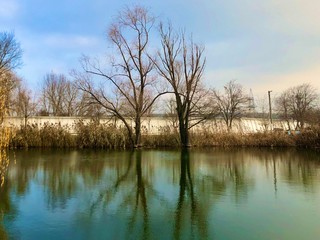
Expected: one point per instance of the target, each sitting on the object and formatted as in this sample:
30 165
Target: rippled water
155 194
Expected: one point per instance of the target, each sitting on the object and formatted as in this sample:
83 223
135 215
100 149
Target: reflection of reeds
4 159
4 163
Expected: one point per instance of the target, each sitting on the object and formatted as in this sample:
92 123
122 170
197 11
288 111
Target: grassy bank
106 136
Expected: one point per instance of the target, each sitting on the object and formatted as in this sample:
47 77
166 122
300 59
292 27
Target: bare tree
171 114
52 93
60 96
298 103
5 86
181 65
10 52
231 103
10 58
9 81
24 105
283 107
72 99
129 89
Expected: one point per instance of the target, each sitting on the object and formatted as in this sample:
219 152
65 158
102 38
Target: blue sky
263 44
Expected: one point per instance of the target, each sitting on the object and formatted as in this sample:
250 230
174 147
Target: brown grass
108 136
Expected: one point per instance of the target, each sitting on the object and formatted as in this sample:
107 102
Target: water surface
156 194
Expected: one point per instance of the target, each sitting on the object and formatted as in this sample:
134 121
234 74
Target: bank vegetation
107 136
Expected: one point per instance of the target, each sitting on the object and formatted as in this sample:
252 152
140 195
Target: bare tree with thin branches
23 104
10 52
298 103
129 89
181 63
53 93
60 96
10 58
231 103
282 106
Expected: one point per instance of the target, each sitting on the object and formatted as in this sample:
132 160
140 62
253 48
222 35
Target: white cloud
301 17
259 43
54 52
261 83
69 41
9 9
285 16
271 45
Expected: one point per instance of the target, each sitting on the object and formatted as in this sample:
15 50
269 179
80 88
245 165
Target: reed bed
108 136
46 136
98 135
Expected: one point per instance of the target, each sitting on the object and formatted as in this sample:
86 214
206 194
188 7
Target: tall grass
98 135
165 138
108 136
309 138
48 135
232 139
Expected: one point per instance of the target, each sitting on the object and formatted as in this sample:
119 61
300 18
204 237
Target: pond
161 194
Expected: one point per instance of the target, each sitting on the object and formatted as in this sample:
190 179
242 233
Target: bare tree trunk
137 132
182 65
184 132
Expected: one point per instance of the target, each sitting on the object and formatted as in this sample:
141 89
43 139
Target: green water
155 194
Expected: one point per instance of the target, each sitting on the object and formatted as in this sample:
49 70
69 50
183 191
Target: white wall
155 125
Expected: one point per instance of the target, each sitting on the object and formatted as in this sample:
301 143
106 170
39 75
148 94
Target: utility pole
270 113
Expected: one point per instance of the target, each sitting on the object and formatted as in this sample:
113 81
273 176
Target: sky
263 44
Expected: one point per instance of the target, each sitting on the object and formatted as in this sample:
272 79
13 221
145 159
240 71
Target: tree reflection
4 163
6 207
144 192
301 168
237 175
294 167
134 201
197 217
61 176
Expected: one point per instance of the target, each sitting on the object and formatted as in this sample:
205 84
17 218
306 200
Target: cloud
259 43
56 52
294 16
69 41
285 16
9 9
261 83
263 44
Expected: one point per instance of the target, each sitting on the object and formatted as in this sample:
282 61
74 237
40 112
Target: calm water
152 194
